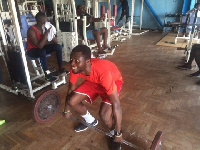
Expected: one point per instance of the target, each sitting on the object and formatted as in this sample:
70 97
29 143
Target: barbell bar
48 104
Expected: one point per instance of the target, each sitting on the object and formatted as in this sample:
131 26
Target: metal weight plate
157 144
46 106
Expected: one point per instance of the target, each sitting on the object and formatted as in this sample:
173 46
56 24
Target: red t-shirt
30 45
103 72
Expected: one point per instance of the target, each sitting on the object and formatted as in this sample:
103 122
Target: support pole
75 21
20 43
132 14
141 13
108 23
191 37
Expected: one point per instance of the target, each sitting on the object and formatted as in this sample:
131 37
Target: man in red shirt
39 46
102 78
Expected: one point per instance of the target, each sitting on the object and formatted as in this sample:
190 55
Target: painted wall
161 7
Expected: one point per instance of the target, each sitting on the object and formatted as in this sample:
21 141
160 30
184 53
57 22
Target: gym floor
155 96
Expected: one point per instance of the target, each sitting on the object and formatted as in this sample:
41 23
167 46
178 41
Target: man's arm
102 18
71 88
109 84
117 113
96 19
117 110
91 19
53 41
31 34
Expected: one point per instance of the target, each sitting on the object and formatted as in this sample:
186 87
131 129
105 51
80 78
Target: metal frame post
19 41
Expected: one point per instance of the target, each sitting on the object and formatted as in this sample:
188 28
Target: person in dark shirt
125 11
91 32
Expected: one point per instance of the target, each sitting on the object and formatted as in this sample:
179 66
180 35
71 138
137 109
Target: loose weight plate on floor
46 106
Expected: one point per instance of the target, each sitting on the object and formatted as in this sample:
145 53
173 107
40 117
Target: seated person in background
39 46
194 55
91 32
125 11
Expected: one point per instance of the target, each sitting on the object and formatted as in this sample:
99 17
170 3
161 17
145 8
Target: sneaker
81 127
115 145
50 78
2 122
185 67
63 70
196 74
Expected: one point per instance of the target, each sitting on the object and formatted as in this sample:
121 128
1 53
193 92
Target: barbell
48 104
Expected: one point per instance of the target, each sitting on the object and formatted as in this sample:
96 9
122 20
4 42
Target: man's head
197 5
41 18
80 10
80 59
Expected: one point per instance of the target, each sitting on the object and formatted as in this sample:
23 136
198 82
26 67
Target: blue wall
160 7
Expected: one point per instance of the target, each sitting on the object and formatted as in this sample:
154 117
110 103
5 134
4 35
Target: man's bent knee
75 99
72 101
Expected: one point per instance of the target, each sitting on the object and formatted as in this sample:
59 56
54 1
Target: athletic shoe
50 78
81 127
59 72
185 67
115 145
2 122
196 74
63 70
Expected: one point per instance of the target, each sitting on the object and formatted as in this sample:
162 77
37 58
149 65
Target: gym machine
187 23
106 23
13 53
115 31
189 46
141 16
66 25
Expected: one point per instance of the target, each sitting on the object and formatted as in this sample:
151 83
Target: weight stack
16 65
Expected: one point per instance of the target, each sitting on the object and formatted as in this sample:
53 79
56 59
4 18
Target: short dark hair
39 15
196 5
85 50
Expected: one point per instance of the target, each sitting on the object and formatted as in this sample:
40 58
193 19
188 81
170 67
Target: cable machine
13 53
66 25
141 17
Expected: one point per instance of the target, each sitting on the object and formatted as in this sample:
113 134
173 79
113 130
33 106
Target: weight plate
157 144
46 106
